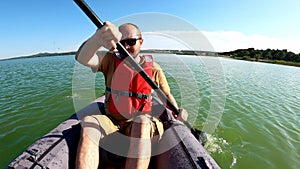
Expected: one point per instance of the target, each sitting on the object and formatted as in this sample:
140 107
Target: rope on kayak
36 161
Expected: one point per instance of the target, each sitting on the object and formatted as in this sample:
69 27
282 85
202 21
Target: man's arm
161 81
183 114
87 55
106 37
172 100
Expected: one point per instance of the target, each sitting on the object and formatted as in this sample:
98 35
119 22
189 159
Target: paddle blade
199 135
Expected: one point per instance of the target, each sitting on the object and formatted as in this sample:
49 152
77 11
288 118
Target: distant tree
252 52
243 53
281 55
275 54
246 57
257 57
297 58
267 54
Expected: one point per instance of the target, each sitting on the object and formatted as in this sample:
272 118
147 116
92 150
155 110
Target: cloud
184 40
232 40
220 41
154 40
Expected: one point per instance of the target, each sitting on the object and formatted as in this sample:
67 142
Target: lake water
250 110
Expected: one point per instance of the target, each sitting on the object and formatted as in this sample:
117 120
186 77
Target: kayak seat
109 159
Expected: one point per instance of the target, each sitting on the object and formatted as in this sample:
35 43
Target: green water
251 110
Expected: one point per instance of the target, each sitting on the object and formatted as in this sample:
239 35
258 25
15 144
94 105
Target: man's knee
90 129
141 127
142 119
89 121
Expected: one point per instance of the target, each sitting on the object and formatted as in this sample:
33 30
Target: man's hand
108 36
183 115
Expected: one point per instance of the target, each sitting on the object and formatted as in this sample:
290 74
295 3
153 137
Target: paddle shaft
95 19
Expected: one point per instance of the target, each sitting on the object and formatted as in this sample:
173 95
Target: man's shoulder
156 66
106 60
106 56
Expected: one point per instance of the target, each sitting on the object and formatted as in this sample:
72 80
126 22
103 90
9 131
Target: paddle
95 19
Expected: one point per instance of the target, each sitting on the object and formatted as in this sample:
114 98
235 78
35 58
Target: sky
35 26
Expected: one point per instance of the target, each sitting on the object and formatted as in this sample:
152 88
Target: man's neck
137 59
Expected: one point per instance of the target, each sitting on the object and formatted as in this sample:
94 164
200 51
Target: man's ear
141 41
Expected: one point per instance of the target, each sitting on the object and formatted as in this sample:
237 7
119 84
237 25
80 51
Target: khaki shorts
116 122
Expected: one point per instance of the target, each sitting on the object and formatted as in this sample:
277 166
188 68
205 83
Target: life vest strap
128 94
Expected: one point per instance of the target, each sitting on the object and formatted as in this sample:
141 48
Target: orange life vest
130 93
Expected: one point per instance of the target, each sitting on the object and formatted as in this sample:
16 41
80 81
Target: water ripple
259 127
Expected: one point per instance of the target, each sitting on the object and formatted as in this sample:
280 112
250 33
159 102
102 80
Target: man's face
131 40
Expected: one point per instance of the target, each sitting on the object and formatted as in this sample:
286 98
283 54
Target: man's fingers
109 35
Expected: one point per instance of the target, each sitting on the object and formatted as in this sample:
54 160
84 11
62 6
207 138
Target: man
128 96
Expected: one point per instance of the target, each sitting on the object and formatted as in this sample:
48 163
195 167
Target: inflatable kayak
178 148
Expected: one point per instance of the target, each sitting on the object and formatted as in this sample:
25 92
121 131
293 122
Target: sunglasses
129 42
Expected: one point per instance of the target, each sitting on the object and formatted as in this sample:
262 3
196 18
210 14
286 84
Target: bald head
129 30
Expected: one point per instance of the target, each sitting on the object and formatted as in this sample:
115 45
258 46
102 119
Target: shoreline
177 52
44 54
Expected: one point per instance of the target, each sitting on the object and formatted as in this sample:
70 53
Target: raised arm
106 37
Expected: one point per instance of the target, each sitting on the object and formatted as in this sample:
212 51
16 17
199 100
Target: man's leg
88 148
140 144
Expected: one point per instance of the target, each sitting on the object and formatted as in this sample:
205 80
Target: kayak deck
57 149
